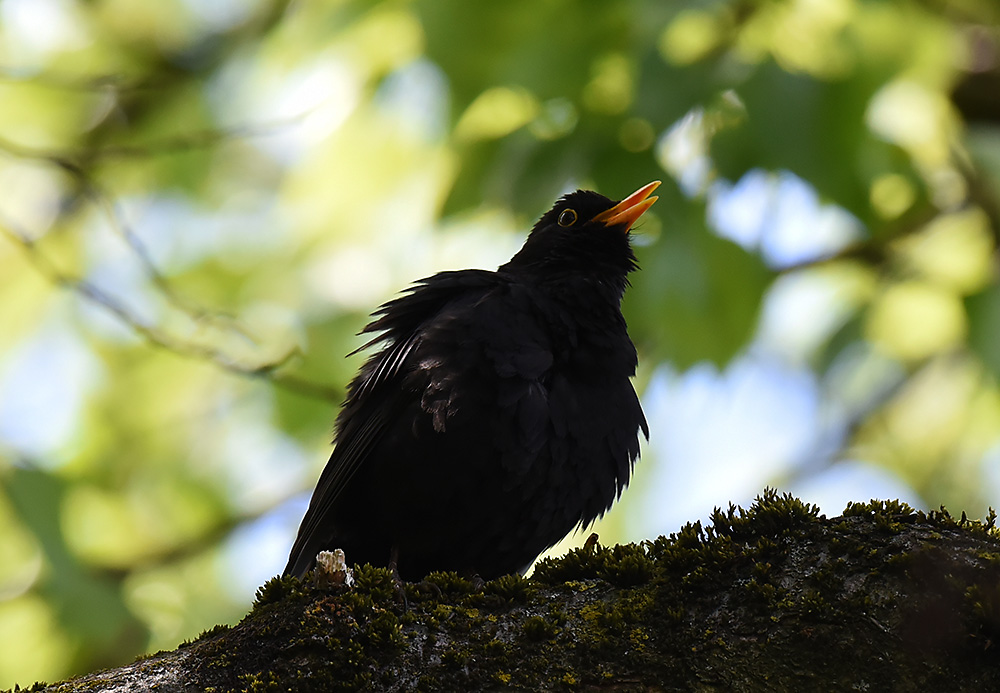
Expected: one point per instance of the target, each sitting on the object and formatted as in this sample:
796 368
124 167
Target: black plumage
499 412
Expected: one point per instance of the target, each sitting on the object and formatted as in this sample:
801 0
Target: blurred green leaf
814 128
89 606
984 326
697 296
546 46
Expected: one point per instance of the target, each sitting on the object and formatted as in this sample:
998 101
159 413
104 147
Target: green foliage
984 326
704 307
90 606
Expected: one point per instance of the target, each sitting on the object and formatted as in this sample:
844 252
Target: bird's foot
477 582
397 581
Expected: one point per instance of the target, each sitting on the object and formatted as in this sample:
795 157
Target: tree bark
775 598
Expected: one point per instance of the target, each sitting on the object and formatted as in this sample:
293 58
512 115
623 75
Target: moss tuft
210 633
509 589
771 515
378 583
628 565
579 564
276 589
537 629
875 508
450 583
623 565
984 603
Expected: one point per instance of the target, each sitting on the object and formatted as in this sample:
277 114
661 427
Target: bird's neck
588 302
593 290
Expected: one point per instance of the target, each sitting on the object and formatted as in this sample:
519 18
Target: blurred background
201 200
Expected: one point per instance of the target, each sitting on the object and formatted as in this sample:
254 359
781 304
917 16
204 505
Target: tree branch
776 598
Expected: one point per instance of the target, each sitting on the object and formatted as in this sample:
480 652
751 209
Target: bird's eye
567 217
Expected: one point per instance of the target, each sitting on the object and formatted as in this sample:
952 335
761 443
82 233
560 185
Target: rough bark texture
776 598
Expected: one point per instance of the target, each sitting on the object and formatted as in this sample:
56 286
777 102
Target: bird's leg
396 579
472 576
394 562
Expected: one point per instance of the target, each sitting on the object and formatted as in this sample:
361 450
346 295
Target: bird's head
584 234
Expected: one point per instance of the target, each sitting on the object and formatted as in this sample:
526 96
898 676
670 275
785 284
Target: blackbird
499 412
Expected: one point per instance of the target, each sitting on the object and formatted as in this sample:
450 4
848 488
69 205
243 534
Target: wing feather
376 396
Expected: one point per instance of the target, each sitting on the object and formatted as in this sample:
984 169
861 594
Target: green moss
879 508
277 589
592 629
385 631
770 515
33 688
454 658
378 583
450 584
496 649
628 565
827 577
674 614
265 682
509 589
990 522
623 565
984 604
761 569
578 564
210 633
438 615
815 604
501 677
537 628
764 592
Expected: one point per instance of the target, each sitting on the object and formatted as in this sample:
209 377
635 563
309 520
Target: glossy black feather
497 416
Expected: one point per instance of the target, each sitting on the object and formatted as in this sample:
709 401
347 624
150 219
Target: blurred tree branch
73 161
153 335
875 250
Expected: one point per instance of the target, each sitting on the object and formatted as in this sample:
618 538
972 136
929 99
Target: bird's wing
377 395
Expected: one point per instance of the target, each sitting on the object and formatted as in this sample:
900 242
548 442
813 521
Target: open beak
631 208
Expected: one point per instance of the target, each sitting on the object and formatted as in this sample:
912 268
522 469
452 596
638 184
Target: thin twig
196 312
70 162
156 337
198 139
68 82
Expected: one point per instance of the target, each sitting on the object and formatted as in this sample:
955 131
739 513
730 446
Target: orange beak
631 208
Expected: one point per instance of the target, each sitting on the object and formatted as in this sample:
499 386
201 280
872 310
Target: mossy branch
774 598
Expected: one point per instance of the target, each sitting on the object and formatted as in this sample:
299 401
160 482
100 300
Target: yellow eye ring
567 217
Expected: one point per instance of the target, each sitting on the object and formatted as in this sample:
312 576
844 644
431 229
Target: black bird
499 413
